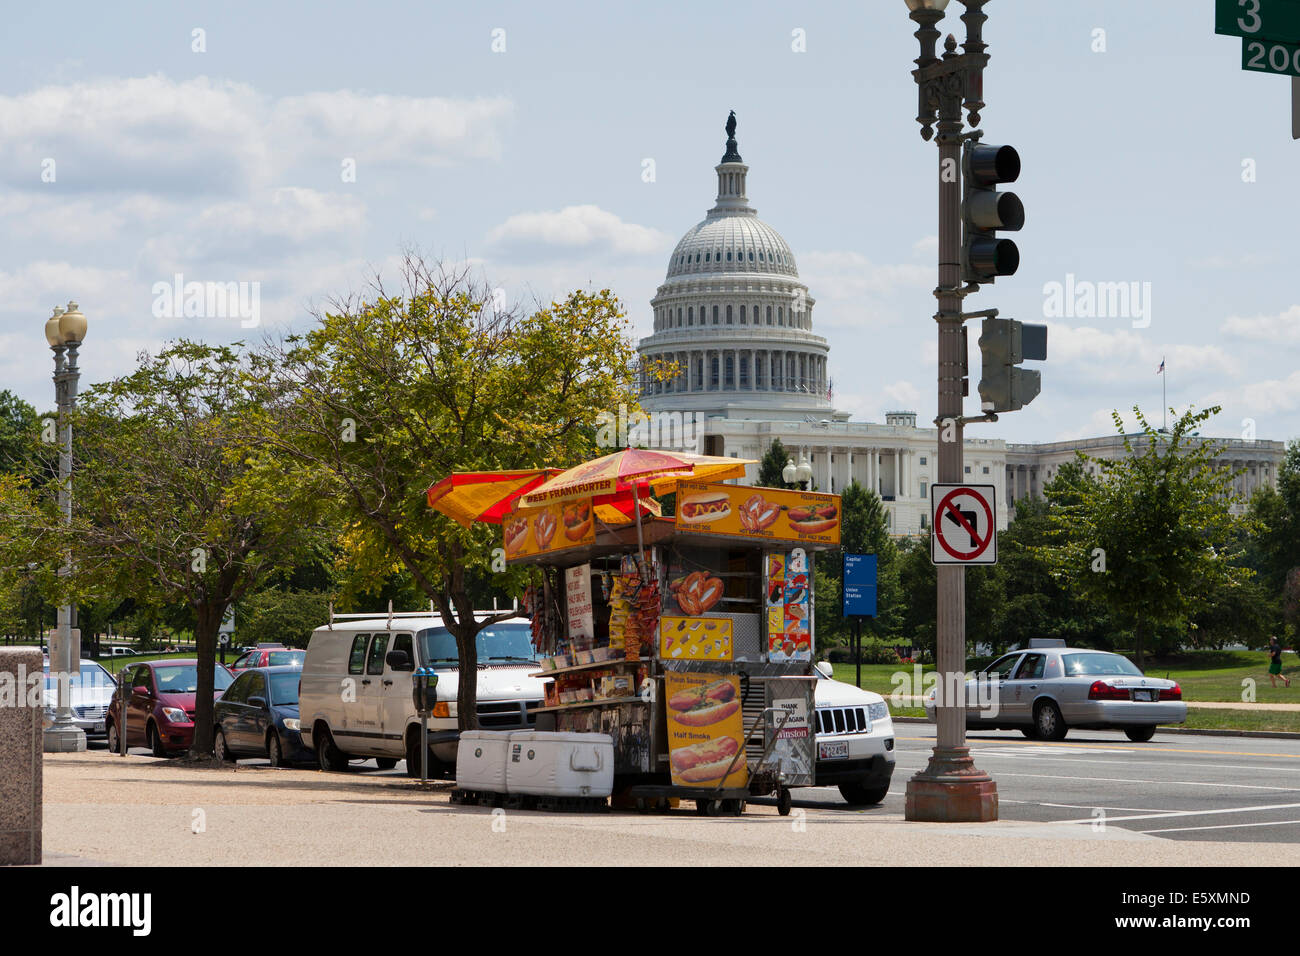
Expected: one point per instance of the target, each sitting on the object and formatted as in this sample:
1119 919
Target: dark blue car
257 716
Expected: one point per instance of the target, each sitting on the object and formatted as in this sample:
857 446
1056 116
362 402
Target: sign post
858 590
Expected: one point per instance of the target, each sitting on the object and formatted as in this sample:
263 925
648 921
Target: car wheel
327 754
220 749
436 766
1048 721
859 794
1030 732
154 741
114 742
385 763
1140 734
273 749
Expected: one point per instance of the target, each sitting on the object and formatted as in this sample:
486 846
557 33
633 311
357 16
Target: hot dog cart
688 640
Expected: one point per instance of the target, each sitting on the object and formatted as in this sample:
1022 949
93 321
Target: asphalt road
1239 789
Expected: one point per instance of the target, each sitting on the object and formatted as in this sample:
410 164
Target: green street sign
1268 56
1258 19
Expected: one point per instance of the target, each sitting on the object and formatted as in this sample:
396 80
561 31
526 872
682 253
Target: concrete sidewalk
103 809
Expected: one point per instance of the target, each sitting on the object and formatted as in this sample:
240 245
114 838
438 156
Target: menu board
554 527
789 606
763 513
577 590
705 730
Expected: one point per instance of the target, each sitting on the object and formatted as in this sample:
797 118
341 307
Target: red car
160 705
268 656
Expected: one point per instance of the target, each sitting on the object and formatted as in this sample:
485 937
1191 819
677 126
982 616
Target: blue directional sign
859 585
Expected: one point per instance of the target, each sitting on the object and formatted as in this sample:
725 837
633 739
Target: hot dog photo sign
552 527
765 513
705 729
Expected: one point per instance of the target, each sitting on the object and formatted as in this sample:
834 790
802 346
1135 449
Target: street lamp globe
936 5
790 473
804 470
72 324
52 328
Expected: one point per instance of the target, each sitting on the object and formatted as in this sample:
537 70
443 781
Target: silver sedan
1045 691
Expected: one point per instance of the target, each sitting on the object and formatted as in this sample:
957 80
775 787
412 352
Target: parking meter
424 694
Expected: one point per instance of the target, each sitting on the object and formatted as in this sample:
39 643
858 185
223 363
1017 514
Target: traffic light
1004 344
984 211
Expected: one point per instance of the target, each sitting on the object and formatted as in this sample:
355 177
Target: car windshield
184 678
497 643
1099 665
284 689
285 657
91 675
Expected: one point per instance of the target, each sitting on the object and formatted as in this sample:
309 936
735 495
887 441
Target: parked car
1045 691
257 716
90 691
375 658
855 739
160 705
119 651
268 655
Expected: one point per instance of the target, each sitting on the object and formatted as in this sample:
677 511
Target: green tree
1152 539
863 530
387 395
168 509
772 464
18 424
285 616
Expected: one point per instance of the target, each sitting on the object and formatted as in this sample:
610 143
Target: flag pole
1164 401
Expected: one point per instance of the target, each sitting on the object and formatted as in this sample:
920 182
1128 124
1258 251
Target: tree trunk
207 621
467 687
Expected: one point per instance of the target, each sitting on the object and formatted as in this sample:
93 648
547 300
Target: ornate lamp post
800 474
64 331
950 788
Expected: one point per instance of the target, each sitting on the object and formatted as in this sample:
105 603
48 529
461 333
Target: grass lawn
115 664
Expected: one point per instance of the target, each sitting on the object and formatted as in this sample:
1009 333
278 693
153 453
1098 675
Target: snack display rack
690 641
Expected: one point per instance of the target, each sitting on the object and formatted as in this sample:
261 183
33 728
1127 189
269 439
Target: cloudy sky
302 146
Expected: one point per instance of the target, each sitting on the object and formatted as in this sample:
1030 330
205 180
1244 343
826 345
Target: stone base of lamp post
63 740
951 790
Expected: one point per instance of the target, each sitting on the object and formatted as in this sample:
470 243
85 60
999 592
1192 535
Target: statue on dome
733 152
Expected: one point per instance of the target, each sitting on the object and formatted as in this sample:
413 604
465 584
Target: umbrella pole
640 541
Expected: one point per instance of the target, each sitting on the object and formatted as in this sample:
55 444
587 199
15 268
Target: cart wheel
664 805
702 807
783 801
733 808
714 808
642 806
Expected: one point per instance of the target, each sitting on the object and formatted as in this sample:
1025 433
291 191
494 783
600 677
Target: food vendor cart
688 640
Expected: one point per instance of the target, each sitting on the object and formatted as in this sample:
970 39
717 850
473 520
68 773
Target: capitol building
734 317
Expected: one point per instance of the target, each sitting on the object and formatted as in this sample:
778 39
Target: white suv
855 739
354 703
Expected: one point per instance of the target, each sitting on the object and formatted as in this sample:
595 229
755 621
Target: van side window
402 642
375 665
357 659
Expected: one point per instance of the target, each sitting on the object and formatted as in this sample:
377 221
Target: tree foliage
390 393
772 464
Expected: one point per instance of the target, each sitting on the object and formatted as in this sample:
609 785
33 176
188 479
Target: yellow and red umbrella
633 471
489 496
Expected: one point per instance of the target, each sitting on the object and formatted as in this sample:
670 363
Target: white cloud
158 135
586 227
1282 329
1121 355
851 275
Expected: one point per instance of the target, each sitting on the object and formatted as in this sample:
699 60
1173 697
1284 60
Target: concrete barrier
20 754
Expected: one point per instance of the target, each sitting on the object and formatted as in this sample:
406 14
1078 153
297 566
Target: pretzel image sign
964 524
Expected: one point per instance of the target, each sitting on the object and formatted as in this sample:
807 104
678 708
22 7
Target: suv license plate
833 750
1144 695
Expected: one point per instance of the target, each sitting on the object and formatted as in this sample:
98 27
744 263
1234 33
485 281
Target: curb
1189 731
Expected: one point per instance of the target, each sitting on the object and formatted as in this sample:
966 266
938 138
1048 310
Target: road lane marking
1190 813
1173 750
1227 826
1088 806
1134 780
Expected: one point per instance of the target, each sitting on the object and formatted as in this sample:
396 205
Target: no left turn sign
964 524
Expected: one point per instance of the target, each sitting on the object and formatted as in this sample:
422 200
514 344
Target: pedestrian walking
1275 662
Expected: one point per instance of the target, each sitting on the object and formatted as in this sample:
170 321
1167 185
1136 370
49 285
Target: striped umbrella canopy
634 471
489 496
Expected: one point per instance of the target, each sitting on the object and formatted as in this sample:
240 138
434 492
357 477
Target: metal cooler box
559 764
481 760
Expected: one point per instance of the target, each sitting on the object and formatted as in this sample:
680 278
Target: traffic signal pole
950 788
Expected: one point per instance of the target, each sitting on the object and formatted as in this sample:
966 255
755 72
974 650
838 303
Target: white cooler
481 760
560 764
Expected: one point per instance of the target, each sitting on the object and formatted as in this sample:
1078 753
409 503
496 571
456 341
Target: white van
355 698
